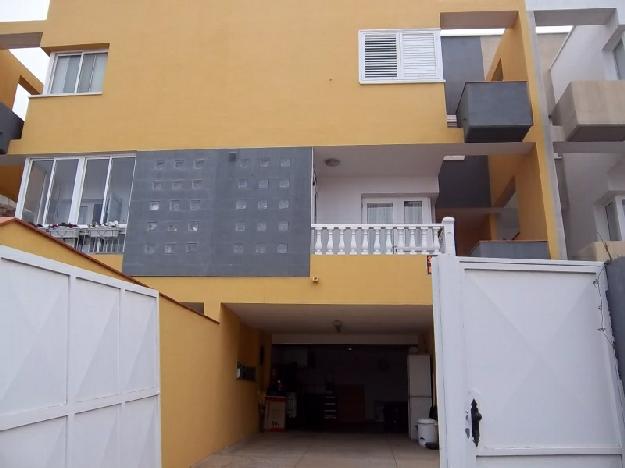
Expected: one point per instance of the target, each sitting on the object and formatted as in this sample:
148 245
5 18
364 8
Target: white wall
583 58
339 198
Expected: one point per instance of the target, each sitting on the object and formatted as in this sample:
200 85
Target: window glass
619 55
97 77
380 213
92 200
120 187
610 211
79 73
37 191
65 73
62 190
413 212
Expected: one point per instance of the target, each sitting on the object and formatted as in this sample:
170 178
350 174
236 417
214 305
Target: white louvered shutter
419 56
379 56
409 55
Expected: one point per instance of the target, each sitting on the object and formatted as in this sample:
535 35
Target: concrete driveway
324 450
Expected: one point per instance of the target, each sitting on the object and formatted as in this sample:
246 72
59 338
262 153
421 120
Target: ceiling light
332 162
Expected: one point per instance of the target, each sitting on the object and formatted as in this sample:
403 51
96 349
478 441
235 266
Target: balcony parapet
91 239
592 111
384 239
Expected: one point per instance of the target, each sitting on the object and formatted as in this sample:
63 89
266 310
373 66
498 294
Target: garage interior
353 378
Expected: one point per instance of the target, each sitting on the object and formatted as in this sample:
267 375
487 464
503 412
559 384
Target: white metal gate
526 346
79 368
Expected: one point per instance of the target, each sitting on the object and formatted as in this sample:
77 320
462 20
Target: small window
195 205
175 205
191 247
177 185
405 55
196 184
240 205
179 163
619 56
613 221
261 248
263 204
194 226
263 184
79 72
170 248
155 205
261 227
283 204
239 227
198 163
152 225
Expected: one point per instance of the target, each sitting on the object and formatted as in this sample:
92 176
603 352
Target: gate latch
476 417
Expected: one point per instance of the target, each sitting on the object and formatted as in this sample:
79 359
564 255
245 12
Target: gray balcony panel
495 111
10 127
512 249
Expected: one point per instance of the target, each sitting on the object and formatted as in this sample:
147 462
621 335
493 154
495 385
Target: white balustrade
384 239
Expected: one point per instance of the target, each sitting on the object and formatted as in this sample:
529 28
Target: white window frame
52 68
620 216
398 207
437 51
79 179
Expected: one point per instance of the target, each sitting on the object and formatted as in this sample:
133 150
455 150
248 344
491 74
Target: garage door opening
344 388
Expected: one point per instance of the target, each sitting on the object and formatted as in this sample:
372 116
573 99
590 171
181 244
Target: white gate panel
532 346
79 368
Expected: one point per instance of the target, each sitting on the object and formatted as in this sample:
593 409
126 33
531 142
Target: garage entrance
352 388
350 380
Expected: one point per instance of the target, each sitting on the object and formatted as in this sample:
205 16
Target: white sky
37 61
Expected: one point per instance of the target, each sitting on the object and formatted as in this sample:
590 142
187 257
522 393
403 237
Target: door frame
453 392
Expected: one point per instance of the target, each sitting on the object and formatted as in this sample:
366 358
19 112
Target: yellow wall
204 408
10 180
360 280
527 174
211 74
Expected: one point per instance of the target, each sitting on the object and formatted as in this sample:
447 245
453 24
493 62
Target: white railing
97 239
384 239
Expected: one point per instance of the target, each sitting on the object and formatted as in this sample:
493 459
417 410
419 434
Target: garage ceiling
315 318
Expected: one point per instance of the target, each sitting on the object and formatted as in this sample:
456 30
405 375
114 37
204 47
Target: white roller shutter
408 56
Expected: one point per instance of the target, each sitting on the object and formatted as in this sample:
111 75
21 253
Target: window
83 191
77 72
396 210
615 217
405 55
619 55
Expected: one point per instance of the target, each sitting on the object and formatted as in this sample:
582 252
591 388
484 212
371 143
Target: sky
37 61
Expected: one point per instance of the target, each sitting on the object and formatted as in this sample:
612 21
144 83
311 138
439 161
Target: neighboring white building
592 183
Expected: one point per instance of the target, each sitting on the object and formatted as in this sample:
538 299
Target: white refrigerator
419 390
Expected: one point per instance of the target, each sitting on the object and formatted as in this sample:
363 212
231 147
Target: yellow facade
212 74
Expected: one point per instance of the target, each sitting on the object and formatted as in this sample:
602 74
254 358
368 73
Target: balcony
91 240
383 239
495 111
10 127
592 111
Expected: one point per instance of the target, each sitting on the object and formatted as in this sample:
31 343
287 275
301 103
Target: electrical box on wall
245 372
